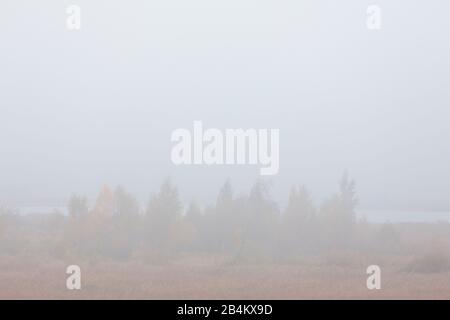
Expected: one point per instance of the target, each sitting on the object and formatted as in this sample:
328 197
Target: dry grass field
211 278
246 253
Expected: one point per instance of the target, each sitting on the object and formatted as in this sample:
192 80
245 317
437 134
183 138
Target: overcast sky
97 106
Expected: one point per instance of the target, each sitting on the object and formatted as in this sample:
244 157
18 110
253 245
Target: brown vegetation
241 247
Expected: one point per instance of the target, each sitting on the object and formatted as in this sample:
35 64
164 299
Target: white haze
82 109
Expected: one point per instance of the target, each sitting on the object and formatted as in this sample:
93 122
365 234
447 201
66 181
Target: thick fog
81 109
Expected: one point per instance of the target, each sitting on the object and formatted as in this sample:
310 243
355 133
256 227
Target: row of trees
239 227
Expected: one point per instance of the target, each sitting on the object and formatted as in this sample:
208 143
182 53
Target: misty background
80 109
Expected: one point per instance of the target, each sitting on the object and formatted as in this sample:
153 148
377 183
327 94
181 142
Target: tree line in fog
244 227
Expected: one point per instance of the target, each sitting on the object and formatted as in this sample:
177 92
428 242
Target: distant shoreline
377 216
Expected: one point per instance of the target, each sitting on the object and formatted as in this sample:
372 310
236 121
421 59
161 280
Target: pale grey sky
81 109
